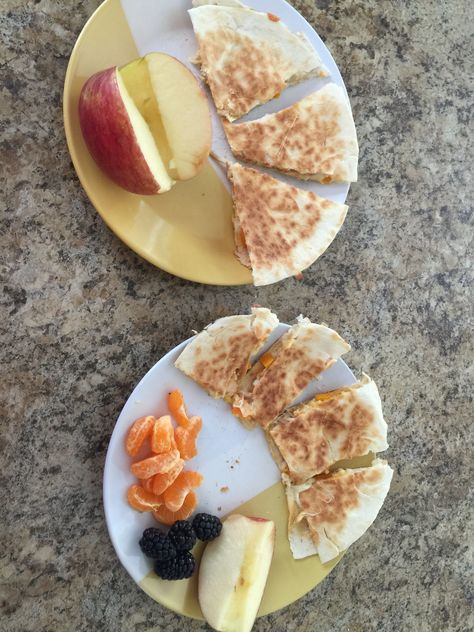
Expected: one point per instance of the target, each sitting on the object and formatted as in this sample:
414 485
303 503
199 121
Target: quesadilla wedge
279 230
218 357
328 514
330 427
285 370
248 57
313 139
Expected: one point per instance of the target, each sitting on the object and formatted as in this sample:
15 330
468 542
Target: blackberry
182 535
154 543
180 567
206 527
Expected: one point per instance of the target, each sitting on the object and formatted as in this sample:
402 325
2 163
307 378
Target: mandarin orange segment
161 482
186 443
186 438
165 516
147 483
140 430
158 464
162 435
177 408
175 494
142 499
195 425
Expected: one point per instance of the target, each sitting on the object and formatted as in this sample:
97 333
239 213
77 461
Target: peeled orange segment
162 435
195 425
142 499
137 434
158 464
186 443
161 482
175 494
186 438
177 408
147 483
165 516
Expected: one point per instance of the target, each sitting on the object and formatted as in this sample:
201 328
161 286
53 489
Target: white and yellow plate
239 476
187 231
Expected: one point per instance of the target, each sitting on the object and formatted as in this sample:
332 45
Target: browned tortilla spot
261 203
318 425
237 80
329 500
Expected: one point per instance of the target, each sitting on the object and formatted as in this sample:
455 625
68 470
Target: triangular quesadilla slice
314 139
330 427
279 229
218 357
285 370
330 513
247 57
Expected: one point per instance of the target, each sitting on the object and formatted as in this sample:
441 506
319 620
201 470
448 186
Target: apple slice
146 124
117 136
233 573
184 111
178 112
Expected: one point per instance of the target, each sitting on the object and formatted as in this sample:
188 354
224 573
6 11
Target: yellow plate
230 458
187 231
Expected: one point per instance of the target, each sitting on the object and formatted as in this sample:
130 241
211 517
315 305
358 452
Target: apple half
146 124
233 573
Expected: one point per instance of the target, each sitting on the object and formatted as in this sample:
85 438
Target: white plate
228 455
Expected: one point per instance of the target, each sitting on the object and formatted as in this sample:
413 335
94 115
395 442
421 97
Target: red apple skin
109 135
256 519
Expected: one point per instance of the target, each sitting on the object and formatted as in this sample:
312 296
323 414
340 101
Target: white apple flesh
233 573
146 124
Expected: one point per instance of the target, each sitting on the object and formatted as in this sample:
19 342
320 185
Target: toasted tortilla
247 57
314 139
279 230
299 356
329 428
218 357
329 514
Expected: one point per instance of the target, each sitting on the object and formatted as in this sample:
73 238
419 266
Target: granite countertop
83 318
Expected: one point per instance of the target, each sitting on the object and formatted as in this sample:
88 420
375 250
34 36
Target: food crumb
224 489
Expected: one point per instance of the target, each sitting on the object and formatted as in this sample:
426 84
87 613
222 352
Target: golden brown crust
252 73
312 139
329 500
218 357
305 438
274 218
214 371
272 390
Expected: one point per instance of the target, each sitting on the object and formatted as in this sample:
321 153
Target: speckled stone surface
83 318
